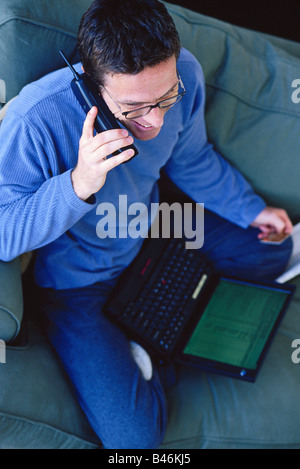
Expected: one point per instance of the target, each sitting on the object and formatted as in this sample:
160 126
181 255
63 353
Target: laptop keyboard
164 304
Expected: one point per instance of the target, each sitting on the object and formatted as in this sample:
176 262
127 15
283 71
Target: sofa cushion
11 300
250 115
31 34
38 407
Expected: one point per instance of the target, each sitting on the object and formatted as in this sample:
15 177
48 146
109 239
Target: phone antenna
69 65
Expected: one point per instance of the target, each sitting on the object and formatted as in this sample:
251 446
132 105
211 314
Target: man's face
130 92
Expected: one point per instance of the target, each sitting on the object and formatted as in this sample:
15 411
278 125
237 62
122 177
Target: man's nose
155 117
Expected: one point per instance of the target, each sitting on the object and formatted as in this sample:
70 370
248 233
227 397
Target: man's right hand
89 175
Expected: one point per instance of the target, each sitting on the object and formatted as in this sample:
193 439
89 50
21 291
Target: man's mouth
142 131
143 125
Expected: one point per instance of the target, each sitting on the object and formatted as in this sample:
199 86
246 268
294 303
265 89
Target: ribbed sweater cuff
70 196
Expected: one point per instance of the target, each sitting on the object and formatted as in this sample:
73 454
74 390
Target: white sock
142 360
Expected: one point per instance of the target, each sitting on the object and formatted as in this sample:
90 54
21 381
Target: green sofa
252 121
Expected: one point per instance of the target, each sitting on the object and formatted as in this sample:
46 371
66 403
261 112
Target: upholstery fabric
11 300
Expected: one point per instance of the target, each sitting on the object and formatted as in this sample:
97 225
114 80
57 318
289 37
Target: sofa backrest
250 115
31 34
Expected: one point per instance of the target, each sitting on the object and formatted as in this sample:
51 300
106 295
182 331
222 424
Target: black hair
125 36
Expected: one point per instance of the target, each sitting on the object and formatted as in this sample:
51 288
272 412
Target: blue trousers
124 409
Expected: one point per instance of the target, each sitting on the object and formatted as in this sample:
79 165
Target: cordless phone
88 96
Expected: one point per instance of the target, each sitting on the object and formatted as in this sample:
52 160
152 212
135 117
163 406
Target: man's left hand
272 220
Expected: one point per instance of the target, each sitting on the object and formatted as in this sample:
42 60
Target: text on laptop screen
236 324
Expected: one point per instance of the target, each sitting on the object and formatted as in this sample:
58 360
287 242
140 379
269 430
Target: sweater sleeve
37 200
201 172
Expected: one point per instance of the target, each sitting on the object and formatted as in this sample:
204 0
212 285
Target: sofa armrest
3 109
11 295
11 300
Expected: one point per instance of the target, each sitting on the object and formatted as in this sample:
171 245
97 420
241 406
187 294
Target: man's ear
82 68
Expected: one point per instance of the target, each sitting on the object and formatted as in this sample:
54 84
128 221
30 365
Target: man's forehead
152 82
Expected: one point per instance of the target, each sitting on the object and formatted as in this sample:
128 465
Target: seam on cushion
5 416
243 442
251 103
39 24
16 321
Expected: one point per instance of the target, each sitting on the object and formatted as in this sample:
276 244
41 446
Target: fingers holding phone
89 175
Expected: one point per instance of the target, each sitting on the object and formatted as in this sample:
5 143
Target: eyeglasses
143 111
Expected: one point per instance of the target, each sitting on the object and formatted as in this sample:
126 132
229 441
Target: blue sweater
39 209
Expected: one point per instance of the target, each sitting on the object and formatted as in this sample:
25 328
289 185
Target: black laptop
175 305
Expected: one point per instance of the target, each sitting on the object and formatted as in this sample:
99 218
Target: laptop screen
236 324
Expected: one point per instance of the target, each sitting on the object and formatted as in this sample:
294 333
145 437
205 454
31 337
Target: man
61 172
